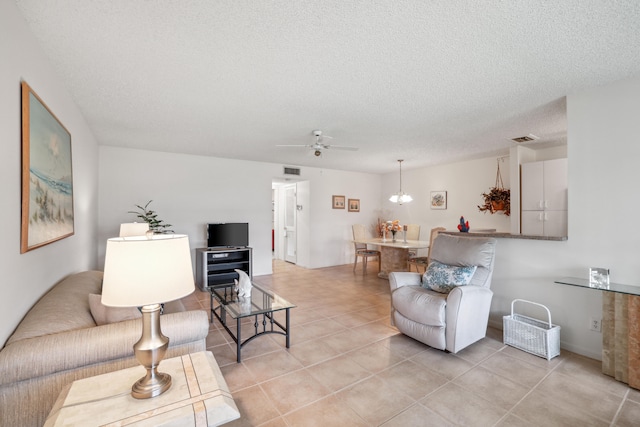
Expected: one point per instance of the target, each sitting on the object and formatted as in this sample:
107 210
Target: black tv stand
215 267
218 248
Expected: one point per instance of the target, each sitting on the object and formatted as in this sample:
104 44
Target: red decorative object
463 227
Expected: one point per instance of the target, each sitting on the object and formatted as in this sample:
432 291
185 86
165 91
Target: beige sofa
59 341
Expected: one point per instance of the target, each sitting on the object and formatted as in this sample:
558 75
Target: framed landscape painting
47 178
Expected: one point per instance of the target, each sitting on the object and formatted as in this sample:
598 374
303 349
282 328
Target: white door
555 223
532 191
544 223
532 223
290 246
555 184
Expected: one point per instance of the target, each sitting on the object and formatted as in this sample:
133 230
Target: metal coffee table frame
262 304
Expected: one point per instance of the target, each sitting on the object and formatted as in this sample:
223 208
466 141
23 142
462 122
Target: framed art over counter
47 176
438 200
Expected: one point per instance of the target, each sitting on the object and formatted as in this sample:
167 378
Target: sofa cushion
443 278
103 314
420 305
69 296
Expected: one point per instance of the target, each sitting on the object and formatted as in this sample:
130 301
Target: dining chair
413 233
423 261
361 249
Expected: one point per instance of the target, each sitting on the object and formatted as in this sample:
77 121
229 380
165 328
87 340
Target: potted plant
497 199
156 225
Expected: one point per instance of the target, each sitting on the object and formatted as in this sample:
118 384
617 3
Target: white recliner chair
446 321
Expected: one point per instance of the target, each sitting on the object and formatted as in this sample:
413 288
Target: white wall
26 277
188 191
331 226
464 183
603 171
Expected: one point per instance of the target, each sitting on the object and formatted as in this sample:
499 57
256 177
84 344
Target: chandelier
400 197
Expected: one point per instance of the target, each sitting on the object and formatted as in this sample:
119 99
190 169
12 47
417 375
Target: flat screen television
228 234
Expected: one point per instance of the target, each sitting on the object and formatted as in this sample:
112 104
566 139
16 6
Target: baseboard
496 324
580 350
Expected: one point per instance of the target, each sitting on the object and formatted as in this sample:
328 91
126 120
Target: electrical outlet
595 325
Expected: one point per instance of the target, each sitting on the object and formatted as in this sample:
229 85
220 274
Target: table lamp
129 229
145 271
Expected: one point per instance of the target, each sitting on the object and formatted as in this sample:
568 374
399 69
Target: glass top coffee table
261 305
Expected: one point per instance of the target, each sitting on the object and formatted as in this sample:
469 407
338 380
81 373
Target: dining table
394 254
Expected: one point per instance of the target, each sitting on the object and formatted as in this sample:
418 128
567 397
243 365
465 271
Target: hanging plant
498 198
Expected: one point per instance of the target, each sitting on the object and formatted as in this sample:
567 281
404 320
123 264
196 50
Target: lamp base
149 351
151 385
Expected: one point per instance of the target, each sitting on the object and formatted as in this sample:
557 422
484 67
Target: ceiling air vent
291 171
520 139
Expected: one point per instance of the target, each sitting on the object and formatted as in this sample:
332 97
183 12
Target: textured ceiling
426 81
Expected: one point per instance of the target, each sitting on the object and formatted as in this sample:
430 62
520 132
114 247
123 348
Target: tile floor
348 367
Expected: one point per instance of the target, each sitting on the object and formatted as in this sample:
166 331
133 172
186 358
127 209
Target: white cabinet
544 223
544 204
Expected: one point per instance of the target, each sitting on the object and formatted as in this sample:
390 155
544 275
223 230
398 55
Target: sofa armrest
467 315
48 354
397 279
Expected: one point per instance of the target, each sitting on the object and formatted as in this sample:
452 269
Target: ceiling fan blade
318 147
342 147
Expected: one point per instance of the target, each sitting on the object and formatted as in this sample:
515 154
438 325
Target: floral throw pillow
443 278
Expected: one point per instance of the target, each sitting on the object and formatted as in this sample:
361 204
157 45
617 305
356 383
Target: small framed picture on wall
354 205
337 202
438 200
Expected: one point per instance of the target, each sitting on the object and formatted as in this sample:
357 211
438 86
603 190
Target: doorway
291 221
285 233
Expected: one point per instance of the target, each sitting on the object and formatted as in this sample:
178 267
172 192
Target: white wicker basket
532 335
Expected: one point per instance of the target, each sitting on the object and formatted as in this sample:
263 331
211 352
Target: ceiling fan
319 146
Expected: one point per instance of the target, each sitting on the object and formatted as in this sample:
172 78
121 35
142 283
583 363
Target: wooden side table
198 396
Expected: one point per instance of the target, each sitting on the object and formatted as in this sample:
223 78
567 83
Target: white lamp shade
133 229
147 270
